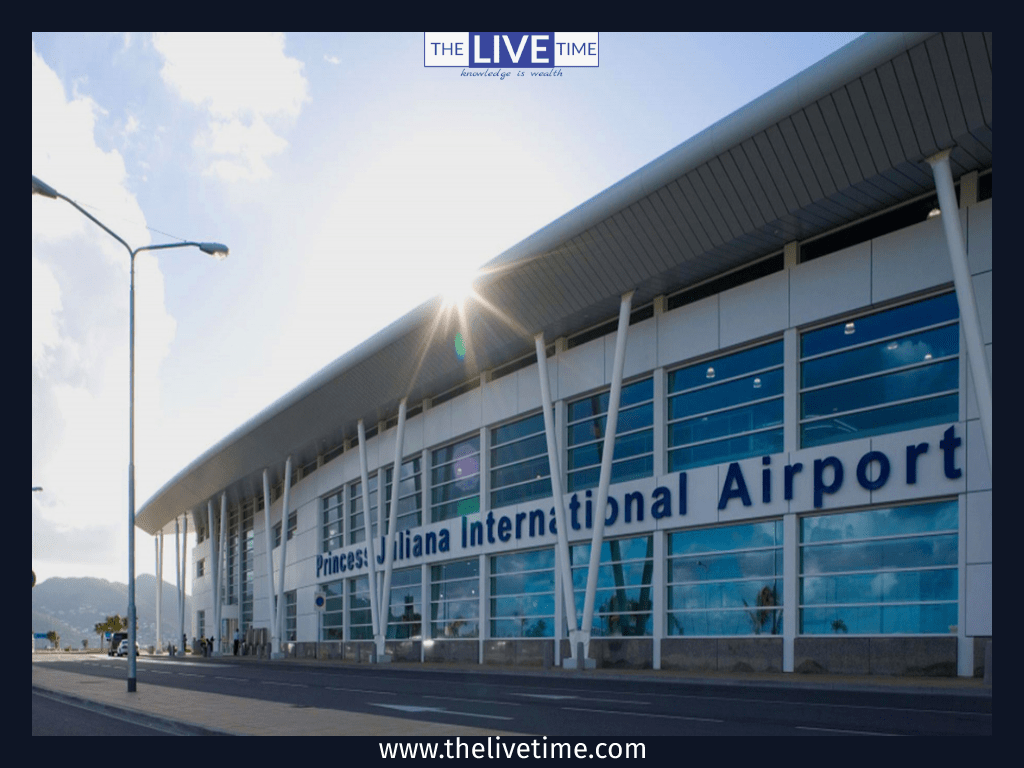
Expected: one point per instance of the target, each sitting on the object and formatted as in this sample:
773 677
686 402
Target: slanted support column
269 535
372 570
276 651
555 468
606 468
969 319
385 593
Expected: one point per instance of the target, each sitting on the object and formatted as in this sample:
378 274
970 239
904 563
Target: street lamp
216 250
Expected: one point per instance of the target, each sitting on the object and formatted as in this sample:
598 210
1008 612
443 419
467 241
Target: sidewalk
218 714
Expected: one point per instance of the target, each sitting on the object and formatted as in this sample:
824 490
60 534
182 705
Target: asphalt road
576 706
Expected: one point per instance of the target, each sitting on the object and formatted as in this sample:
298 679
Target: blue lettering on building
828 474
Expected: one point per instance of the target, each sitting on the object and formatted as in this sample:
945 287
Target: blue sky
351 184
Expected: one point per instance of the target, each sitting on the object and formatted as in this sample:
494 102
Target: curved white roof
837 142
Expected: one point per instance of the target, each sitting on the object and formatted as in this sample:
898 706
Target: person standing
238 639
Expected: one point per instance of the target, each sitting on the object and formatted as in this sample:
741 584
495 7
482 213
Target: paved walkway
188 712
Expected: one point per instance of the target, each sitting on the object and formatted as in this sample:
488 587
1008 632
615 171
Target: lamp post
217 250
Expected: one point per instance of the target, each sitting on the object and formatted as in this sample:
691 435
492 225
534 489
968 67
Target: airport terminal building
733 413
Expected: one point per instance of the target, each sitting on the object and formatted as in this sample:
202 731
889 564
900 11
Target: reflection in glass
622 604
883 571
742 404
634 436
523 594
899 369
454 599
726 580
405 609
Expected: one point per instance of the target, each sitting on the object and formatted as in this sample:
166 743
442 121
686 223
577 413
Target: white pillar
159 543
184 573
790 588
221 557
659 594
606 468
211 570
269 535
392 524
279 625
969 319
557 493
364 476
177 581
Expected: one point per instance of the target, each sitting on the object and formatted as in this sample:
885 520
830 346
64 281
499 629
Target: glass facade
455 480
293 527
332 621
523 594
405 608
290 617
356 518
633 455
726 580
455 599
893 370
332 534
880 571
410 495
622 604
726 409
360 617
519 462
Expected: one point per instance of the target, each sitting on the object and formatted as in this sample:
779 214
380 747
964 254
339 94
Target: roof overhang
843 139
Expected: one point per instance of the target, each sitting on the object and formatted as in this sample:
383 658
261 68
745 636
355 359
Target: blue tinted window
519 462
890 371
455 599
523 594
882 571
726 580
880 325
737 397
633 455
622 604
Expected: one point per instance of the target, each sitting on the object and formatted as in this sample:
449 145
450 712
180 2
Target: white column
269 536
392 524
659 593
177 581
790 588
557 493
485 606
211 570
184 573
372 570
221 557
426 630
660 419
791 391
969 319
159 543
606 468
279 625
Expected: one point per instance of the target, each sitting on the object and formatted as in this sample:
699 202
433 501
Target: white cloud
243 80
331 59
80 333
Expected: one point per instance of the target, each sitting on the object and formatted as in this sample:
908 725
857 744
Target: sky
351 184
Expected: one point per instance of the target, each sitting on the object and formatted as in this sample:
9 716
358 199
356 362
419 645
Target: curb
169 726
